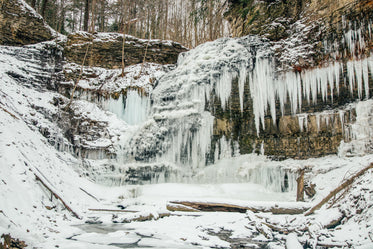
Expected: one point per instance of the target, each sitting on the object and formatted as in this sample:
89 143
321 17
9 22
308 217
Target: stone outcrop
305 34
105 50
275 19
316 132
21 25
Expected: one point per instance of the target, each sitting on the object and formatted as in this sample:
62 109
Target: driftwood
223 207
181 208
11 114
89 194
57 196
112 210
338 189
331 244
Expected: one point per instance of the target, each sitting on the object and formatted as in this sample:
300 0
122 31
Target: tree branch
338 189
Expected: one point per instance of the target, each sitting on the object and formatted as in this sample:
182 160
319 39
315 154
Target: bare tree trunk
210 20
80 17
102 16
124 41
93 17
58 197
33 4
78 79
166 22
86 15
62 17
43 7
300 186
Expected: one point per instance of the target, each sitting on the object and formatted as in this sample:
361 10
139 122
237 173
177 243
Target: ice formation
181 130
359 135
241 58
181 99
132 107
174 122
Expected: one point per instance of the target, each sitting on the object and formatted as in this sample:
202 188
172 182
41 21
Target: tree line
190 22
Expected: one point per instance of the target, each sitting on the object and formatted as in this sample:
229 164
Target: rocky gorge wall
105 50
306 36
299 96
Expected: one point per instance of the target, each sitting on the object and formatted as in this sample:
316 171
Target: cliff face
275 19
306 36
105 50
316 30
21 25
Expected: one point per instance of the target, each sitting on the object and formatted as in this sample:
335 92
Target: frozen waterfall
178 124
132 107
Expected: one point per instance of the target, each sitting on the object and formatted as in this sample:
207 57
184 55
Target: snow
292 242
135 76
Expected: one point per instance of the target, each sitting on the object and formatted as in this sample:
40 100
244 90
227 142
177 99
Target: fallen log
224 207
57 196
89 194
181 208
11 114
112 210
337 190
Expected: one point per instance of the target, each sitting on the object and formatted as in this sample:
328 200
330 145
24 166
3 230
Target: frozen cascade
359 134
132 108
181 130
182 98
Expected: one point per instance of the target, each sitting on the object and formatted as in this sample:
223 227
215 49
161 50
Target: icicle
223 87
338 68
303 122
137 108
365 72
262 149
241 83
359 78
318 121
342 119
263 89
351 75
360 133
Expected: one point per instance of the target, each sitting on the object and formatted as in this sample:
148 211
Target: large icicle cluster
266 87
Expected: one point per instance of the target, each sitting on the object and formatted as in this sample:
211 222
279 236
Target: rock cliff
305 36
105 50
21 25
300 94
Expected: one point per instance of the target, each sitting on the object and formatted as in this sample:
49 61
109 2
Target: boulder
21 25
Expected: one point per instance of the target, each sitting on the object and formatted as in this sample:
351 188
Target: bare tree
43 7
93 16
33 4
86 15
